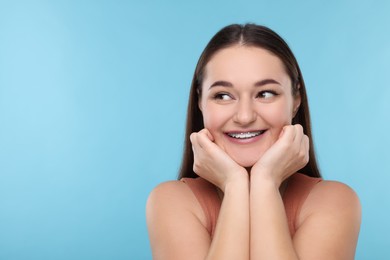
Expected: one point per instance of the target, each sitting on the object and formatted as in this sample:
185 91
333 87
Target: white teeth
246 134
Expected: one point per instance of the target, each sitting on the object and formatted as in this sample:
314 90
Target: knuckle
192 137
195 167
299 127
307 159
302 154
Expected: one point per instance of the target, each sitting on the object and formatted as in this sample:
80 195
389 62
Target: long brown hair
255 36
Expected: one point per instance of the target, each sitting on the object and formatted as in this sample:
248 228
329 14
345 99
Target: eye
266 94
222 96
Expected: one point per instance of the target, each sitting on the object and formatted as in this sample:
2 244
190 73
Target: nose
245 113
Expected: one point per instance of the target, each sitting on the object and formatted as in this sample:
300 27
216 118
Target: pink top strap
208 198
298 188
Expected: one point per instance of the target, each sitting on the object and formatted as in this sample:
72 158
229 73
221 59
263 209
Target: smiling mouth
245 135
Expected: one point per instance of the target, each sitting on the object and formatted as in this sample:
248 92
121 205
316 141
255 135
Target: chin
246 161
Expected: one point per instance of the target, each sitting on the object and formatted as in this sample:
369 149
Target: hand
212 163
286 156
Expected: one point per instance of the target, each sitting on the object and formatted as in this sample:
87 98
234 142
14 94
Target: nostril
245 116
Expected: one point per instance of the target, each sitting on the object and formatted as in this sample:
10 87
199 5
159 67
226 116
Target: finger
193 138
201 144
206 132
306 147
303 151
288 133
195 142
298 135
204 140
307 143
301 144
197 151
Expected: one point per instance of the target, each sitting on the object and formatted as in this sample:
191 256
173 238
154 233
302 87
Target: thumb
282 132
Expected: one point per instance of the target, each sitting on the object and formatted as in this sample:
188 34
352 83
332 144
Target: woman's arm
176 222
177 225
270 236
231 238
328 223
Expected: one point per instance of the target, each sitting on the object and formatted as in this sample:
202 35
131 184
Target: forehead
245 63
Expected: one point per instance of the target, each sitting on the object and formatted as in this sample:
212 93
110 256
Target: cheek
278 116
212 118
215 120
276 119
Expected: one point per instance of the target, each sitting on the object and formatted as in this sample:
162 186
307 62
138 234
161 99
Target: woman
239 194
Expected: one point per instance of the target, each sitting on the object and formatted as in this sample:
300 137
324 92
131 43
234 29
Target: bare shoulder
174 220
171 194
332 195
329 222
169 189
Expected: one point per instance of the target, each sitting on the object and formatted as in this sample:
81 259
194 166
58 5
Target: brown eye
222 96
267 94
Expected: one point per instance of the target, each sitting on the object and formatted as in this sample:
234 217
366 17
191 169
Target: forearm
269 233
231 238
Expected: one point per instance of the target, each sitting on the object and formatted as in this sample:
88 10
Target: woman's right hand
212 163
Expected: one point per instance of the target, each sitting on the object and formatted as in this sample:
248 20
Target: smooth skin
246 89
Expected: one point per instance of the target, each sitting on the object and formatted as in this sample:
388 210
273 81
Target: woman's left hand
285 157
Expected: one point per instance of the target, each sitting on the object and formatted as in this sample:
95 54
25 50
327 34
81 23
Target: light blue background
92 106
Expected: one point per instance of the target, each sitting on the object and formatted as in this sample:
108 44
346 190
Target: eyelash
219 96
261 93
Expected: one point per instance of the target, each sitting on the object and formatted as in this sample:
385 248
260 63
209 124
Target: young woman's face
246 100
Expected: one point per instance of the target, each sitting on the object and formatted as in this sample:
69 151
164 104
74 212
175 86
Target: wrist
238 181
265 177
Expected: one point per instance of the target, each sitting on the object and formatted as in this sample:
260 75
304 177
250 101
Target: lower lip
245 140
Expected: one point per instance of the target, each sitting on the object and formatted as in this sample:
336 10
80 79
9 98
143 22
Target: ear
296 103
199 100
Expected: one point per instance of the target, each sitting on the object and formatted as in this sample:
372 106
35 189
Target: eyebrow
257 84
